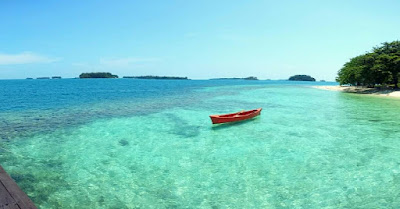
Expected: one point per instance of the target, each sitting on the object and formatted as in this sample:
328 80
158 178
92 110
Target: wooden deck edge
21 199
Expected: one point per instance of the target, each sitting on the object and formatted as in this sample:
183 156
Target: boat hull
234 117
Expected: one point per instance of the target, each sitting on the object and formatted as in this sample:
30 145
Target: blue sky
199 39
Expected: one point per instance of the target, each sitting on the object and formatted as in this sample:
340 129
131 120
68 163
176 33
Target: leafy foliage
301 78
97 75
380 66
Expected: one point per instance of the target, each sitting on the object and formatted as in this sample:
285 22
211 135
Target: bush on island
301 78
97 75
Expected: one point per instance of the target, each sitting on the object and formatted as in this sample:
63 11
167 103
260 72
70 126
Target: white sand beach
361 90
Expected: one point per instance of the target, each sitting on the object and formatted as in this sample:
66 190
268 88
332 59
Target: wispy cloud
25 58
125 62
190 35
81 64
233 37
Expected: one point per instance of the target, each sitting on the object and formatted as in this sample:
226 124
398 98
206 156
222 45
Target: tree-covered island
380 66
157 77
97 75
246 78
301 78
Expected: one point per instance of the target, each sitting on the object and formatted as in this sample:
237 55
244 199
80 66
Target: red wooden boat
233 117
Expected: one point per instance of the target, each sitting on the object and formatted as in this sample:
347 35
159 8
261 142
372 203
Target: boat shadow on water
215 127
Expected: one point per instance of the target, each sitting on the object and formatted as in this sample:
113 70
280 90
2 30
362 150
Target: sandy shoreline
361 90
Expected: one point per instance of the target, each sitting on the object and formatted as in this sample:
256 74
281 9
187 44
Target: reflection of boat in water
233 117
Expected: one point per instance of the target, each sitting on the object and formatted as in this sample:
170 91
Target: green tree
388 61
359 71
380 66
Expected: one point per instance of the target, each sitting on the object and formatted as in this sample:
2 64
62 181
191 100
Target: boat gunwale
237 114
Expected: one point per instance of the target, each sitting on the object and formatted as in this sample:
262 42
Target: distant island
157 77
41 78
247 78
97 75
301 78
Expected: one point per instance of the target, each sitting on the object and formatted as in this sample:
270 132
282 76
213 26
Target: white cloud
24 58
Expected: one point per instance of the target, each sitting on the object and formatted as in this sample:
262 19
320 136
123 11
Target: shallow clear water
310 148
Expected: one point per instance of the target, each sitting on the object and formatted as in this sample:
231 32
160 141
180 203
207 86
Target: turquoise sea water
150 144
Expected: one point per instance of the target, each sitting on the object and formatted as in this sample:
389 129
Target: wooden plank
5 197
11 206
20 198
